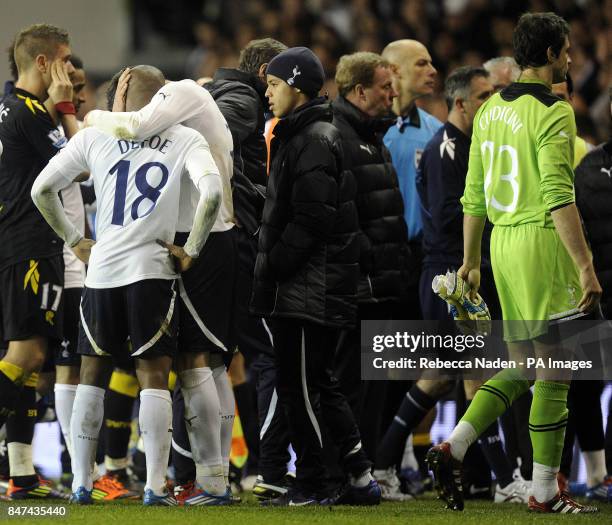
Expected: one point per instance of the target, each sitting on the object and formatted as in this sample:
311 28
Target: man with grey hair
440 183
503 71
366 95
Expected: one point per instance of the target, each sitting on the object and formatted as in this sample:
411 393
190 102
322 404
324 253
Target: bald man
414 78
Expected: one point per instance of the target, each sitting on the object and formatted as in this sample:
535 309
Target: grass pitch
423 511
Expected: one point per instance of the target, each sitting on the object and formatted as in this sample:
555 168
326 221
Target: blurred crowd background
192 38
456 32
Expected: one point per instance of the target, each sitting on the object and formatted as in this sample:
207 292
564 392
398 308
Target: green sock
494 398
547 422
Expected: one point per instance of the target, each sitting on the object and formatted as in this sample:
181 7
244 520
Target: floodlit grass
424 511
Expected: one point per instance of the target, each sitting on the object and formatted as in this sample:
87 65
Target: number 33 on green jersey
521 157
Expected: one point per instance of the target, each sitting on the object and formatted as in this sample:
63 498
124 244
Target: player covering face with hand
130 289
206 289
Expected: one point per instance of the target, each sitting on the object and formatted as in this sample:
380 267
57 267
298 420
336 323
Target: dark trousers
585 421
310 396
269 447
364 397
273 428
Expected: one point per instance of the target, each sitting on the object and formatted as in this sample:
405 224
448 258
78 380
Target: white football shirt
74 268
138 185
186 103
72 200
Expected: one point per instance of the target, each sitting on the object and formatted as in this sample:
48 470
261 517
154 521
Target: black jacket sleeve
240 111
445 185
313 204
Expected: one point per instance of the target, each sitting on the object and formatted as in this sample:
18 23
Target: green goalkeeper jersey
521 156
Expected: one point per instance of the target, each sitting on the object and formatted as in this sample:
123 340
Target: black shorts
66 354
207 297
32 300
144 311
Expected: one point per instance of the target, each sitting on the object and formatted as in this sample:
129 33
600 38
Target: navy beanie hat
300 68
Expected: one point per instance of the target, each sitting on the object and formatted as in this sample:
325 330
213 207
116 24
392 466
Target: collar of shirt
411 119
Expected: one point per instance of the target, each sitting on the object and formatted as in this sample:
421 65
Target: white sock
85 424
95 472
227 405
155 420
544 482
115 463
362 480
20 459
3 432
595 466
202 412
462 436
409 460
64 400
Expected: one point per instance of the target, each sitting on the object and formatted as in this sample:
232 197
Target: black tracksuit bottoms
310 395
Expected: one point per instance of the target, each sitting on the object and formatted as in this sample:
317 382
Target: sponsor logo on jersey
32 104
603 170
368 148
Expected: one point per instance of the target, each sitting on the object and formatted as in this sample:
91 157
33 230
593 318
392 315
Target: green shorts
537 282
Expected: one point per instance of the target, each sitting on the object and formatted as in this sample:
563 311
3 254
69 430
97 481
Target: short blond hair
38 39
358 68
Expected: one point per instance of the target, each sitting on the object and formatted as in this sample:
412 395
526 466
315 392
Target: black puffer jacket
593 197
384 251
307 266
240 97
